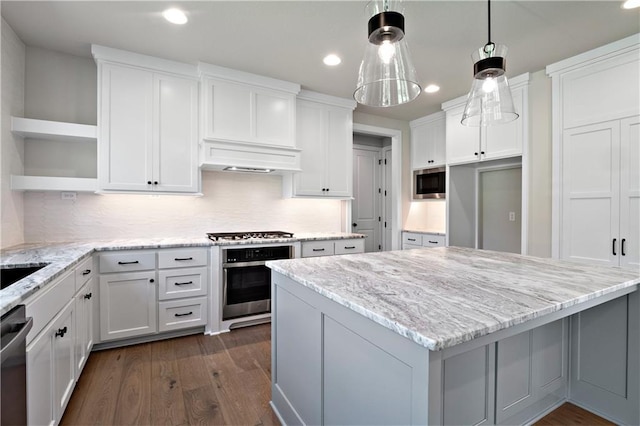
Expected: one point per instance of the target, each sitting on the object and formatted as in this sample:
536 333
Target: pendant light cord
489 20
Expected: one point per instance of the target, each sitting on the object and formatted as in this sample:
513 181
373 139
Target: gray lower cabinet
605 365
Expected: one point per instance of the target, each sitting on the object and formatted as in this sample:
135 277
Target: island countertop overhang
443 297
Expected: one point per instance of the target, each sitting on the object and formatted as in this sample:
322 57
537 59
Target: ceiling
288 39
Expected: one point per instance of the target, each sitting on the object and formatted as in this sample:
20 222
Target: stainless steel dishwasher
13 336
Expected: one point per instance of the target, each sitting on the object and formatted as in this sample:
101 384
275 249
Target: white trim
396 176
102 53
49 183
440 115
221 73
53 130
308 95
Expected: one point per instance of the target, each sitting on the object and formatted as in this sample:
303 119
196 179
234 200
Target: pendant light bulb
386 51
489 85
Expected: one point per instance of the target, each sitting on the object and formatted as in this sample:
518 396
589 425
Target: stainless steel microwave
429 183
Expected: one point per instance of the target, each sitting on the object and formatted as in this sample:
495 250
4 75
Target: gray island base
451 336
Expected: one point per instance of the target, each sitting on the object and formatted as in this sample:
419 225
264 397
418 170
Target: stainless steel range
246 281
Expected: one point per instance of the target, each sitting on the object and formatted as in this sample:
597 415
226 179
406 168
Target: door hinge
379 190
385 192
379 218
385 161
385 224
379 161
379 247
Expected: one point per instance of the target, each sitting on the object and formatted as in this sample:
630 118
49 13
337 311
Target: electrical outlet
512 216
68 196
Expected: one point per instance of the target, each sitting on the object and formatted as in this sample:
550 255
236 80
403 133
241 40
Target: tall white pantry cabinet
596 155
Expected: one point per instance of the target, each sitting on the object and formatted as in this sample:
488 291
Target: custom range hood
247 122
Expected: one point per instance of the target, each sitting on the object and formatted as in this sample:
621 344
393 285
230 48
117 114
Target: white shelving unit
59 131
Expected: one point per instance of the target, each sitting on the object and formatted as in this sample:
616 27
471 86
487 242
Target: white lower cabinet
84 324
331 247
413 240
51 369
182 313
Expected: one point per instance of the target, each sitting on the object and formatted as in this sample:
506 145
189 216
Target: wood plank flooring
193 380
200 380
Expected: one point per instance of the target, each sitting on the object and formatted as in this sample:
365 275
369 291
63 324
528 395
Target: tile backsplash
231 202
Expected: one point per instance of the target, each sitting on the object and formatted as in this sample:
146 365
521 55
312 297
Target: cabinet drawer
410 246
84 272
317 248
412 238
177 283
349 246
127 261
432 240
184 313
46 305
182 258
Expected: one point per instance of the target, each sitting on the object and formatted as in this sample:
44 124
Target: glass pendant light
489 101
387 76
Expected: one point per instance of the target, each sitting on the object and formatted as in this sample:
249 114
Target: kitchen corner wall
12 146
231 202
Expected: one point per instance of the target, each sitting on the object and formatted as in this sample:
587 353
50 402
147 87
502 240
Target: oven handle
224 286
242 264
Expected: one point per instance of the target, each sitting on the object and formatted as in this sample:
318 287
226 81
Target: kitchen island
451 336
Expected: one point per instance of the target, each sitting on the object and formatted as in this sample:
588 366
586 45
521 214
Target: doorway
371 206
500 209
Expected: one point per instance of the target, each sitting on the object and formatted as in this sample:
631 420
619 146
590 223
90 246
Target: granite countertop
442 297
62 257
425 232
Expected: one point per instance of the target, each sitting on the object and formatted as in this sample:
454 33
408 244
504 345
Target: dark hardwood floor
200 380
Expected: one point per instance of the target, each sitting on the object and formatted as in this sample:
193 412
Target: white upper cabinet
428 141
471 144
148 124
325 136
596 152
247 120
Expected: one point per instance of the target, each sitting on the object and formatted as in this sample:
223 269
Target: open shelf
55 130
46 183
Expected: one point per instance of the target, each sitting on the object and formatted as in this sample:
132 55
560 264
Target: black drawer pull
349 247
622 247
86 272
61 331
183 315
433 242
411 239
178 259
128 263
613 247
187 283
88 295
318 249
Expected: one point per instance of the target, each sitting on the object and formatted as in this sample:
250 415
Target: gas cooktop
232 236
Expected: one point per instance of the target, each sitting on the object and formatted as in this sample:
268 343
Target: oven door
246 289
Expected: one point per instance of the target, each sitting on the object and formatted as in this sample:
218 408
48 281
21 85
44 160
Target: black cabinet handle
327 189
318 249
482 152
622 247
433 242
178 259
354 224
187 283
152 280
88 295
411 239
61 331
86 272
183 315
613 247
475 153
155 182
128 263
148 182
349 247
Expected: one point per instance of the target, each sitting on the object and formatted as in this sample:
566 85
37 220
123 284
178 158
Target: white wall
232 202
12 146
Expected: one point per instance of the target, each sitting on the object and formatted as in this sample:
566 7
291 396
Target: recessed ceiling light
432 88
175 16
631 4
332 60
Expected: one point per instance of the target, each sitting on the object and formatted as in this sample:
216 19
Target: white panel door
274 118
419 151
339 152
366 197
311 131
227 111
175 148
505 140
590 194
463 143
125 128
64 377
388 205
630 193
39 379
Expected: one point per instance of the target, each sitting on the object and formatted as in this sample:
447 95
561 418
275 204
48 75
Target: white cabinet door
630 192
339 163
39 380
84 325
312 135
175 138
274 117
419 151
428 143
591 194
505 140
127 305
463 143
64 377
126 128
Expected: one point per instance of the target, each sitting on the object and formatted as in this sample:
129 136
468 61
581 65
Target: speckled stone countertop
62 257
441 297
424 232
